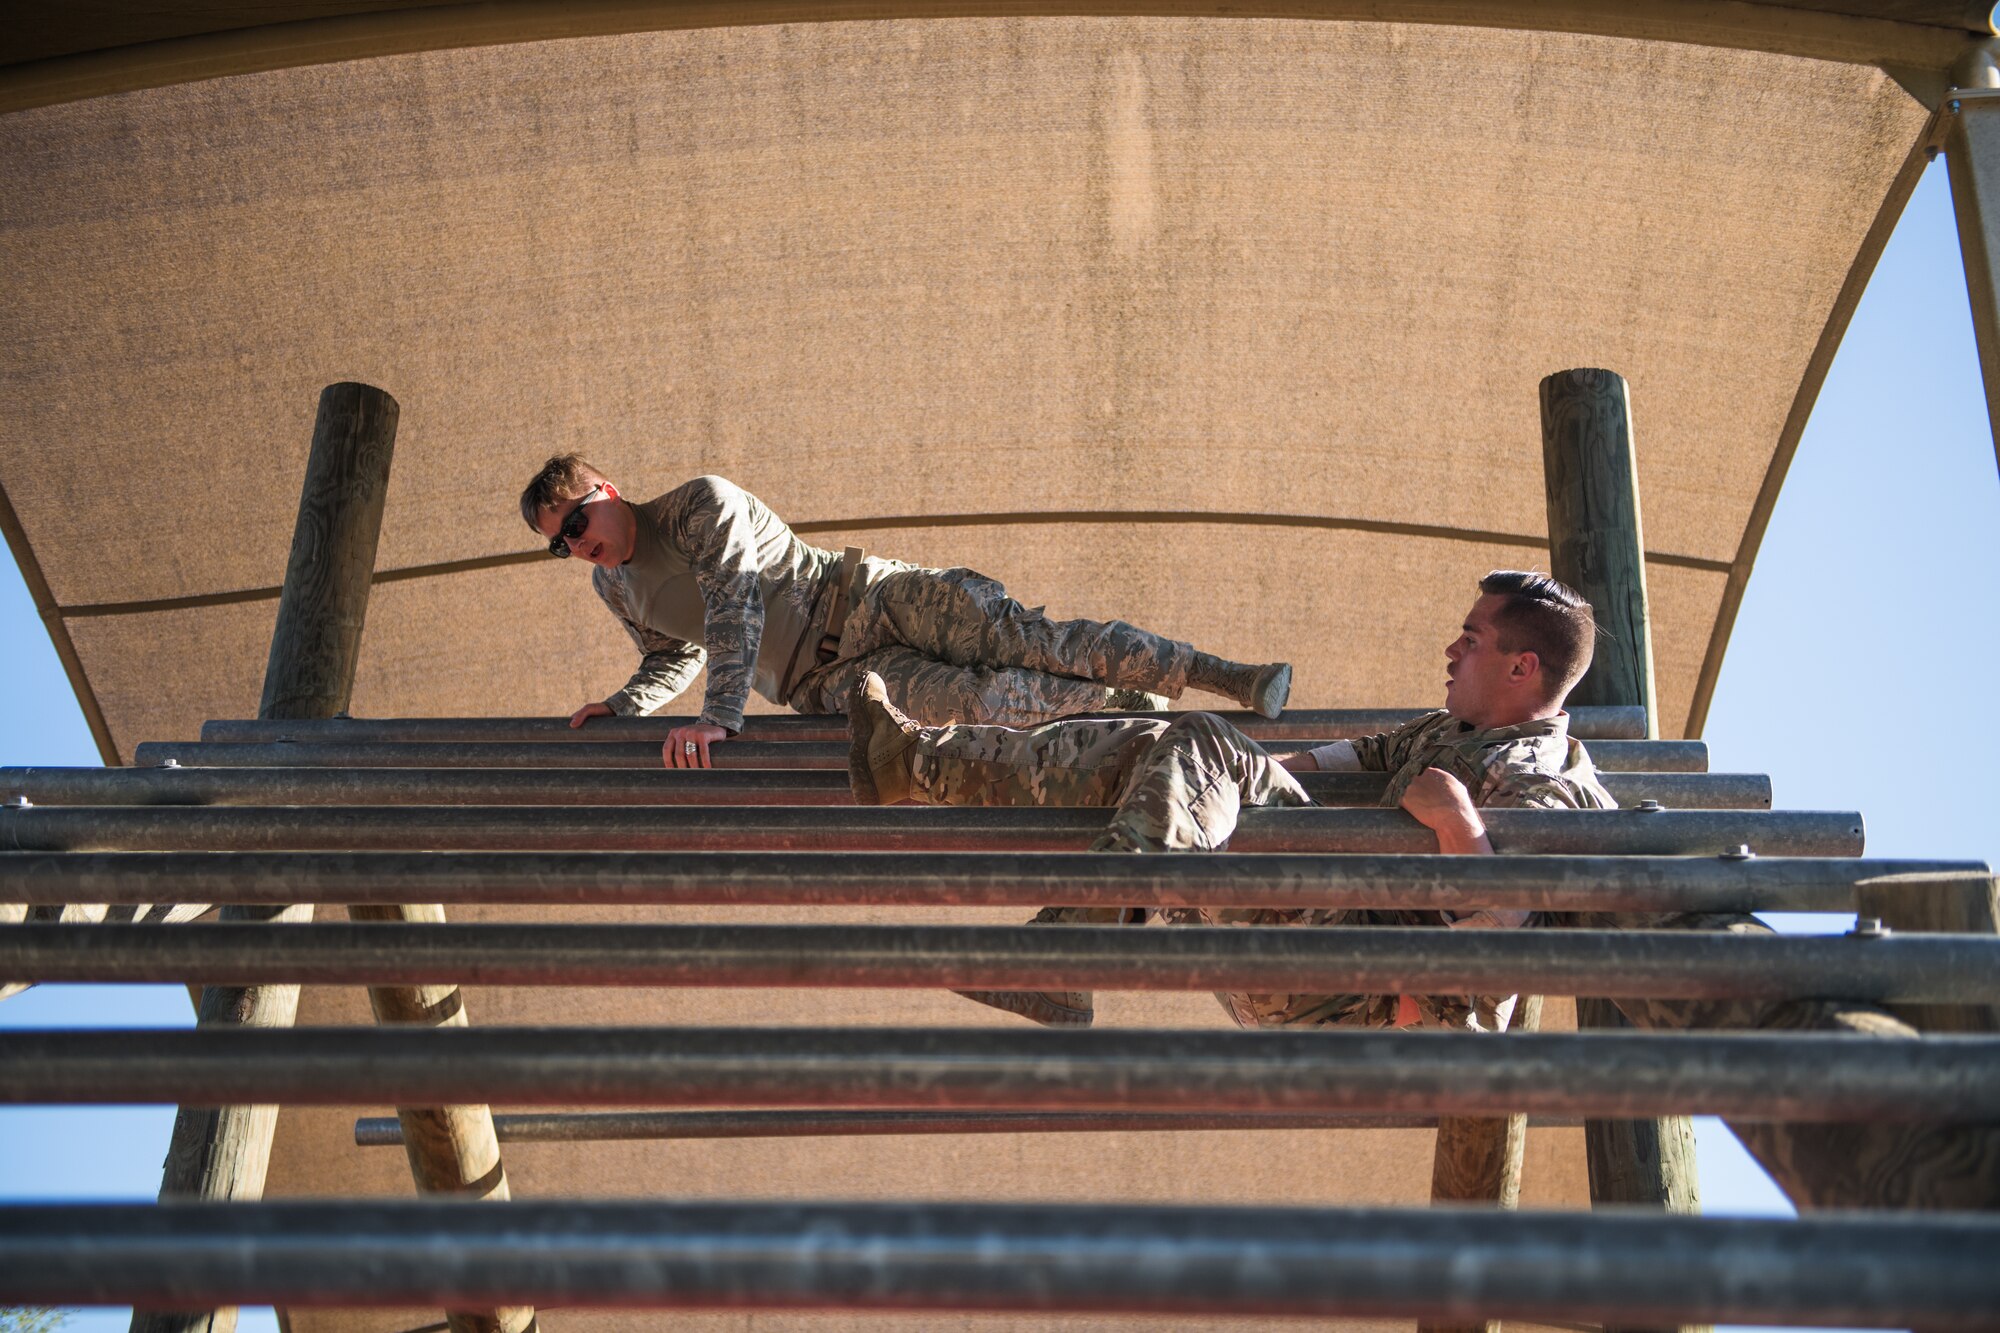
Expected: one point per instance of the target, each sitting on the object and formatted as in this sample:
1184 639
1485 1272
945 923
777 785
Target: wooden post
1972 155
1597 546
452 1149
1964 907
221 1153
1478 1160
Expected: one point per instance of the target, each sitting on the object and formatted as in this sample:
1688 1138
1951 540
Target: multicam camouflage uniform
1180 788
714 568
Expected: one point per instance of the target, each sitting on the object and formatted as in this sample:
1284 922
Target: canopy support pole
223 1153
1597 546
1971 116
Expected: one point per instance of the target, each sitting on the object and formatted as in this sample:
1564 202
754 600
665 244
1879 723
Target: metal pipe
1740 1076
1945 969
1326 724
896 828
1865 1269
1615 756
664 786
975 879
663 1126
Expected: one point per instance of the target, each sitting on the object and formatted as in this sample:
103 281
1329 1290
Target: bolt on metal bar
1741 1076
974 879
896 828
1896 969
1614 756
1868 1269
660 1126
664 786
1595 723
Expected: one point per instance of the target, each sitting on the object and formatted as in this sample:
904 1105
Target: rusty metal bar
665 1126
1741 1076
664 786
1326 724
1868 1269
896 828
976 879
1898 969
1616 756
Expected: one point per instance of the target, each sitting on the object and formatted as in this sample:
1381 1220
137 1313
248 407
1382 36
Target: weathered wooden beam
1597 546
667 1126
1618 756
1963 907
894 828
1870 1269
452 1150
985 879
1477 1160
221 1152
1324 724
1972 155
663 786
1747 1077
1931 968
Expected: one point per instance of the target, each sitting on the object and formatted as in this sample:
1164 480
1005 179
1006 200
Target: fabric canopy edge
52 621
1872 244
1786 29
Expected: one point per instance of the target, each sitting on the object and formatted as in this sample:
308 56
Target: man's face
1483 685
608 530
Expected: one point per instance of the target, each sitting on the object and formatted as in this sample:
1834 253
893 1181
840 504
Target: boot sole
1033 1005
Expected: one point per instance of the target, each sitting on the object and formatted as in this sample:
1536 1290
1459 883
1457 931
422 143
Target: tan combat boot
878 761
1262 689
1050 1008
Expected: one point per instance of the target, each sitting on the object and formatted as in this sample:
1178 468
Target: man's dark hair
1547 618
563 477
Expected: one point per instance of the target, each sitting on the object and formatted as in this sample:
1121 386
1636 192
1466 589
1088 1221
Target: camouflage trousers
1827 1165
951 645
1177 786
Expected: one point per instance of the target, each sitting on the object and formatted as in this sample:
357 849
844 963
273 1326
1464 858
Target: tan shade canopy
1229 327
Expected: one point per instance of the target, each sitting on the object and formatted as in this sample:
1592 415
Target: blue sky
1867 626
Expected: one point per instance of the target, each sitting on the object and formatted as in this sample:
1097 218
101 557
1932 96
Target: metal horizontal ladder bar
975 879
1875 1269
662 786
665 1126
1617 756
1586 723
901 828
1947 969
1742 1076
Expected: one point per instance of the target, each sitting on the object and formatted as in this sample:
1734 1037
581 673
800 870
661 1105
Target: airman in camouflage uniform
707 572
1180 787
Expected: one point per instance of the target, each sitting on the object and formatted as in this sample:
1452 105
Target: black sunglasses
573 526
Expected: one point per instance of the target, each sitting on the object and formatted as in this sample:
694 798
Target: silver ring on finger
687 747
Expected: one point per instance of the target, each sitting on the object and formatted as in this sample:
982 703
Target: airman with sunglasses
707 573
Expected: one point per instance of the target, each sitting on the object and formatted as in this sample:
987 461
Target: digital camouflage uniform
714 569
1180 787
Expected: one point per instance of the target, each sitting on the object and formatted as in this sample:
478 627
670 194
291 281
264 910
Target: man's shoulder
709 488
1546 770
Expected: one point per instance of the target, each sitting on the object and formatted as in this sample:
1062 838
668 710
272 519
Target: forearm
660 679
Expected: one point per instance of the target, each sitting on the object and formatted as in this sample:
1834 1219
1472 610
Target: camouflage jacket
715 576
1531 764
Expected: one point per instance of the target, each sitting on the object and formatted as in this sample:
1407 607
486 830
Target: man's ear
610 491
1527 668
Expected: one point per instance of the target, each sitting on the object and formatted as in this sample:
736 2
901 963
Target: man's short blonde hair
563 477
